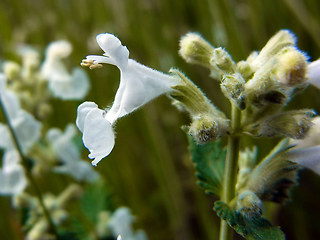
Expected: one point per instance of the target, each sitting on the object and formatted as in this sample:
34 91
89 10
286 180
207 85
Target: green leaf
209 161
251 228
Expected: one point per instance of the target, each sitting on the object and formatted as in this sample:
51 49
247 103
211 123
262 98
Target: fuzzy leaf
274 177
209 160
254 228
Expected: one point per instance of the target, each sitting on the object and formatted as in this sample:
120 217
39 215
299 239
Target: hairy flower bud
207 129
280 40
232 87
223 60
291 68
208 122
195 49
249 204
245 69
293 124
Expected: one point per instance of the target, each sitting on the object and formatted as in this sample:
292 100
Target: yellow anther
90 63
94 66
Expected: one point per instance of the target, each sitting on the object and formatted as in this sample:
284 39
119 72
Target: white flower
69 154
121 222
314 73
27 130
307 151
61 83
12 178
138 85
26 127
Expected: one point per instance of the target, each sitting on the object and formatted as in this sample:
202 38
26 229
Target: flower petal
113 48
307 157
12 178
82 112
98 135
138 86
27 128
314 73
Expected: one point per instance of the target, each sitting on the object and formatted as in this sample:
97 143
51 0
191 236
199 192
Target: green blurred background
149 170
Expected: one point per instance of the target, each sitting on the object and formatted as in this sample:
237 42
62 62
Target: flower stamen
90 63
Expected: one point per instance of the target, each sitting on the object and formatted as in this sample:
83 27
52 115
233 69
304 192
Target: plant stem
230 172
25 161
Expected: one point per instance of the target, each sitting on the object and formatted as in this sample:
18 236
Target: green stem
230 172
26 166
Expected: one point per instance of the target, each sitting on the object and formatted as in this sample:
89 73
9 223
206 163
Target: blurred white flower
62 84
121 222
307 151
68 153
27 130
26 127
314 73
138 85
12 178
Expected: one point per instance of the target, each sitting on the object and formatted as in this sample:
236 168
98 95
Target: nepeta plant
258 90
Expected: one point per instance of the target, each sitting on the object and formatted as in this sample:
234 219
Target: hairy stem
230 172
25 162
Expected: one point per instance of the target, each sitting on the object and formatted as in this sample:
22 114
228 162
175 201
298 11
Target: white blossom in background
62 84
121 222
26 127
138 85
314 73
307 151
68 153
12 178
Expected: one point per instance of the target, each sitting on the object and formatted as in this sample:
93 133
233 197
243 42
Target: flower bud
245 69
195 49
280 40
232 87
209 123
223 60
249 204
206 129
291 68
313 137
292 124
